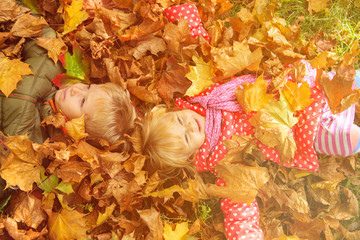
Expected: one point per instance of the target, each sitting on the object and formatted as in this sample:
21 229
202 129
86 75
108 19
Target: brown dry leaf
173 80
22 167
10 74
76 128
152 219
55 47
347 208
10 10
67 225
26 208
28 26
116 19
242 182
253 96
86 152
71 171
11 226
152 44
232 60
175 35
58 120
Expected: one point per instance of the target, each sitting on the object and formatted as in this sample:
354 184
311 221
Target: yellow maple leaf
253 96
200 75
10 74
76 128
272 126
22 166
74 15
232 60
67 224
298 97
178 233
284 237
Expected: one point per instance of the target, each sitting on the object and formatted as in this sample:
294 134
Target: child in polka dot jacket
201 124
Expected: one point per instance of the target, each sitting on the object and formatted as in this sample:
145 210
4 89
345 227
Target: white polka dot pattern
189 12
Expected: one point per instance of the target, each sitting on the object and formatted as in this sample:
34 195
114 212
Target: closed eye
187 138
180 120
82 102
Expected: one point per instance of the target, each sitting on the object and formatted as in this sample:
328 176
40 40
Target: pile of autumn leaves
74 187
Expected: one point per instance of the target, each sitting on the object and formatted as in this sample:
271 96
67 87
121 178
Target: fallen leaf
180 231
317 5
73 16
200 75
76 129
232 60
55 47
104 216
297 96
10 74
152 218
22 166
253 96
67 225
152 44
242 182
28 26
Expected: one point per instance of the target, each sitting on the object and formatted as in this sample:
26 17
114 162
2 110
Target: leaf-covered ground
73 187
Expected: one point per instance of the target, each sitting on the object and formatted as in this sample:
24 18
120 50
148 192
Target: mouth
64 93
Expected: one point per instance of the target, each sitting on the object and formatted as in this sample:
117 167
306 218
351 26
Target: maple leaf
200 75
55 47
10 74
22 166
180 231
58 120
232 60
76 128
67 224
242 182
272 126
253 96
149 43
284 237
152 218
297 97
338 91
73 16
10 10
28 26
26 208
173 80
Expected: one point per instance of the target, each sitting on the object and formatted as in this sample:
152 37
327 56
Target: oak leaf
66 225
232 60
200 75
10 74
180 231
253 96
76 129
55 47
22 167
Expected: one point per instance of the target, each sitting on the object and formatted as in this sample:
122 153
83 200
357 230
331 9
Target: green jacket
23 111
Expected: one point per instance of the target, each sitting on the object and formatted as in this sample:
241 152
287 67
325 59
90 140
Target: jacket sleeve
241 220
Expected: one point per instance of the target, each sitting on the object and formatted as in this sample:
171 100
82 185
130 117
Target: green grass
341 20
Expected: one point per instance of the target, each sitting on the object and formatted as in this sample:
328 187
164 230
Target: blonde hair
165 149
114 115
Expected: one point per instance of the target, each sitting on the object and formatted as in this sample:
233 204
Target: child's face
78 99
189 126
